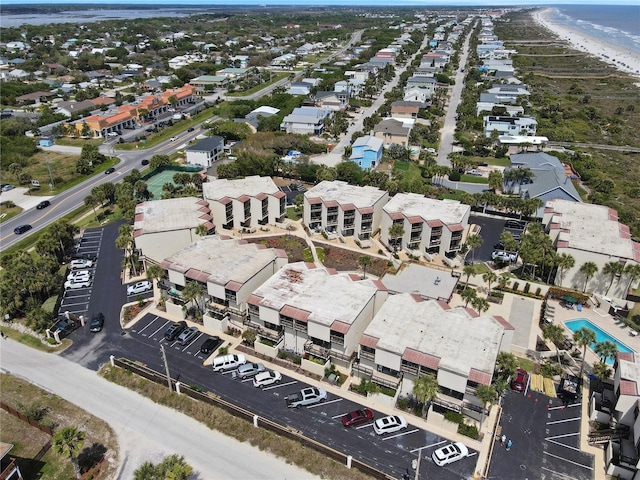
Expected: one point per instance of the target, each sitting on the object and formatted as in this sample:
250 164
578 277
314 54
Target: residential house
230 270
366 151
69 109
206 152
315 310
402 109
511 91
208 83
410 337
264 111
337 207
497 98
305 120
331 100
502 109
429 226
590 233
245 203
418 95
427 83
35 97
392 131
509 125
163 227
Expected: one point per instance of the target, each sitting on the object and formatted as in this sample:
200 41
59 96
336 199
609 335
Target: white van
228 362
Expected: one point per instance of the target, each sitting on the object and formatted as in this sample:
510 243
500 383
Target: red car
520 382
357 417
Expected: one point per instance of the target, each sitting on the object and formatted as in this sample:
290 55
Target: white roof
169 215
413 205
461 341
251 186
345 194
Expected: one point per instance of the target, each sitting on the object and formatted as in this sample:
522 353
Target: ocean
614 24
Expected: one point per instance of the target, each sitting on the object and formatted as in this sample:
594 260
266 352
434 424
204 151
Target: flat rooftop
430 283
251 186
592 228
221 260
414 205
327 296
346 194
171 214
461 341
629 370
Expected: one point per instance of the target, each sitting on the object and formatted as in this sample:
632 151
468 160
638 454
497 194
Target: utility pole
46 160
166 367
417 463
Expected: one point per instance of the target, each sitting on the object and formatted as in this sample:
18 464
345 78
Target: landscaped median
282 441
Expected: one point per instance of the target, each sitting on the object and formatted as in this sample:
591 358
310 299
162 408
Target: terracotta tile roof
423 359
340 327
294 312
368 341
477 376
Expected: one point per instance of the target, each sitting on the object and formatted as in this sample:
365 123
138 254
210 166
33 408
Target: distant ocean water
614 24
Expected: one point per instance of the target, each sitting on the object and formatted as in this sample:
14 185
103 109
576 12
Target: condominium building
429 226
347 210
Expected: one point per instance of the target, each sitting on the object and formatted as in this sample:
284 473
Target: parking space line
563 436
564 421
280 385
71 305
164 325
148 324
364 426
562 407
338 416
570 461
325 403
193 341
428 446
401 434
563 445
558 474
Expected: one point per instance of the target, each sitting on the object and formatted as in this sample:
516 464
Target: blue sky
376 3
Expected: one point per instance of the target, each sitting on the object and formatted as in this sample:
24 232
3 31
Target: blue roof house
366 152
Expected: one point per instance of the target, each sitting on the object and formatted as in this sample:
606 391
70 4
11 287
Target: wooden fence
24 418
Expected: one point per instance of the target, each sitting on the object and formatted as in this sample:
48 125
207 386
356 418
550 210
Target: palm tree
504 279
564 261
468 295
396 231
613 269
154 272
602 371
68 442
469 270
490 277
588 269
193 292
481 305
125 242
364 261
584 337
555 334
486 394
425 388
474 241
506 363
606 349
633 272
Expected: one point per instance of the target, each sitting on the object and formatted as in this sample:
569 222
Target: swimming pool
601 335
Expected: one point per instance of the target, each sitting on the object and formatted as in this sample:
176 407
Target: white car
80 263
449 454
79 275
266 378
77 283
389 424
139 287
475 172
503 256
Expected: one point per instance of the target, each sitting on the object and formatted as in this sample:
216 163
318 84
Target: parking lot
491 229
391 453
546 440
292 191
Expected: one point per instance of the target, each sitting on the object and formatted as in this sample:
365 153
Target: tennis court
156 181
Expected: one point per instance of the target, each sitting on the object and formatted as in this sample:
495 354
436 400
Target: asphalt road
146 431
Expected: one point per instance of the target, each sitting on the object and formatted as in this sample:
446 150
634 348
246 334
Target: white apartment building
344 209
229 269
245 203
429 226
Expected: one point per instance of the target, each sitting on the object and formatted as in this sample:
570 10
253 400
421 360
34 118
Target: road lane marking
429 446
401 434
325 403
567 460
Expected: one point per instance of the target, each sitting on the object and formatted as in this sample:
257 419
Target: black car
20 229
84 256
97 322
109 170
498 246
210 345
190 129
145 161
175 330
517 224
43 204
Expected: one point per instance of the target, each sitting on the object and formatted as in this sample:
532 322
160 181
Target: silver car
188 335
250 369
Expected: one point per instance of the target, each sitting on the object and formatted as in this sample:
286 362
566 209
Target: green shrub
282 354
402 403
454 417
454 176
51 341
269 343
223 350
468 431
527 286
538 291
550 369
516 285
297 360
390 392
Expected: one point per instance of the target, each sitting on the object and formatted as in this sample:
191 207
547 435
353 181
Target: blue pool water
601 335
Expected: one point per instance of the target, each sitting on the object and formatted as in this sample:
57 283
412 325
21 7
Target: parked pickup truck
306 396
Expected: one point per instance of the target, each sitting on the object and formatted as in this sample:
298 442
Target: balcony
217 312
333 220
366 227
371 356
410 369
317 350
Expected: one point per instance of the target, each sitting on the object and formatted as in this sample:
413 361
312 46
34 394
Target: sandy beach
621 58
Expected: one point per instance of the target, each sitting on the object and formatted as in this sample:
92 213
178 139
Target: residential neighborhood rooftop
171 214
346 194
219 259
414 205
251 186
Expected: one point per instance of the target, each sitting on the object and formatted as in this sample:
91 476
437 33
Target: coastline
622 59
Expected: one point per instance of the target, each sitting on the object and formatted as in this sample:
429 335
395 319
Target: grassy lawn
34 342
274 78
473 179
526 364
293 213
100 440
7 212
409 171
78 142
287 449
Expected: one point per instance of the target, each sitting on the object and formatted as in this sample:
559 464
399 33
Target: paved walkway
146 431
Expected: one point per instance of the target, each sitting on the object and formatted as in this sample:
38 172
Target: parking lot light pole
416 464
166 367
